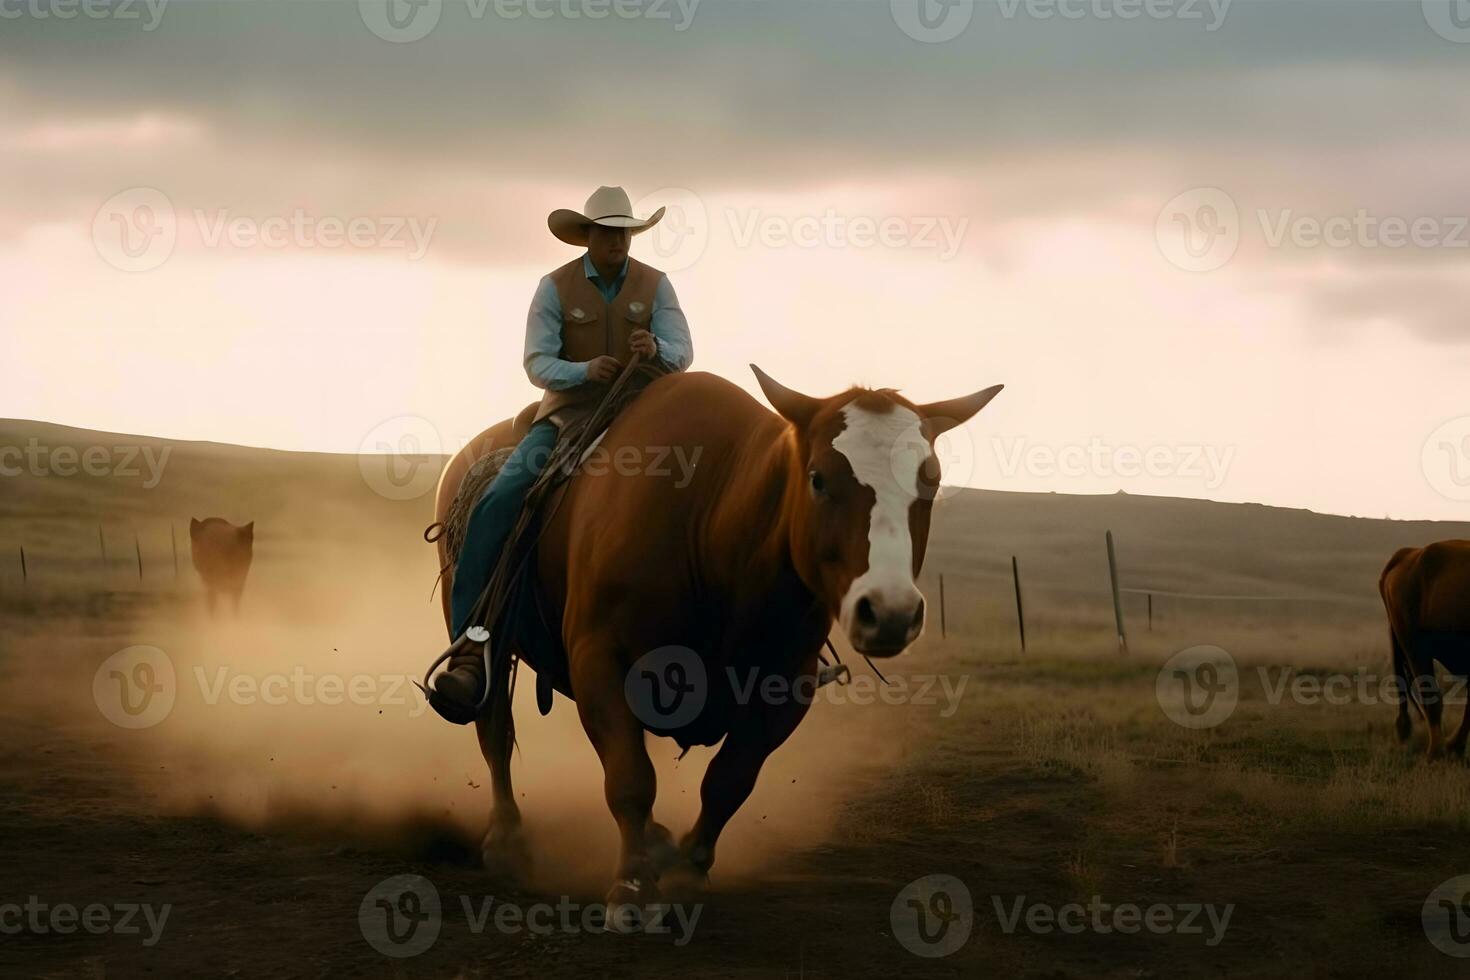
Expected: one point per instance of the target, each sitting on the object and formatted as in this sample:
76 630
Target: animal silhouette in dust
221 553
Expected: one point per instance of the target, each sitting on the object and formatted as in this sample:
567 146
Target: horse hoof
626 902
1403 728
505 853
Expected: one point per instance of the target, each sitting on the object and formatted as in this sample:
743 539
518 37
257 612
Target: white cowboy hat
607 206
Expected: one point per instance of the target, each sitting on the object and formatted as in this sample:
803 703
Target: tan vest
592 327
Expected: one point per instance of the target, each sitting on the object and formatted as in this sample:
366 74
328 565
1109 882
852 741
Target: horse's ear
940 417
248 531
195 523
793 406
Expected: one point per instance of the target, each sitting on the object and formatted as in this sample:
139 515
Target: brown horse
221 553
1427 594
715 583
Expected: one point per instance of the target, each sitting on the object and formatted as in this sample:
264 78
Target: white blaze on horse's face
883 610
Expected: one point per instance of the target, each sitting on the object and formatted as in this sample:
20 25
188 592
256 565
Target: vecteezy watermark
1198 687
63 918
136 230
1446 917
1446 458
135 687
403 915
831 229
1450 19
122 462
1074 918
667 687
1207 465
1201 229
1198 230
1362 687
936 21
404 21
1209 13
932 21
682 234
932 916
300 686
400 458
148 11
923 690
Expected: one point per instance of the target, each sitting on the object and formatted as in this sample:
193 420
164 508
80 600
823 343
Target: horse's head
869 477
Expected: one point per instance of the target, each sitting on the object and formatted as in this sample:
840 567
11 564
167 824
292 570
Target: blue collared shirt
544 364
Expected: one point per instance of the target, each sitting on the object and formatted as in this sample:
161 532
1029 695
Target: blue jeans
492 519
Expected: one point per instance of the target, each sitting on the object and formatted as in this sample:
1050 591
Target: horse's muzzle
884 625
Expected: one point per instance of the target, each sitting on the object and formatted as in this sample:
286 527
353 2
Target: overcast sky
1213 249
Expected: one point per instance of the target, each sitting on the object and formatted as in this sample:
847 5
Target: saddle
508 609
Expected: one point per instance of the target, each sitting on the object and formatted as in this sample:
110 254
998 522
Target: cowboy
586 319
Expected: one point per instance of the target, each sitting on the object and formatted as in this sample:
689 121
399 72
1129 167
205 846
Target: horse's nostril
865 613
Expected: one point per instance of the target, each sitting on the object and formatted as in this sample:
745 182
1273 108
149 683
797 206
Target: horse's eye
818 484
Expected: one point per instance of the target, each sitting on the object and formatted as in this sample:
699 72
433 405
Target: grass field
1046 782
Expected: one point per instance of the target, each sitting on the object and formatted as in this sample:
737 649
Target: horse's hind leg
1403 727
504 848
1419 664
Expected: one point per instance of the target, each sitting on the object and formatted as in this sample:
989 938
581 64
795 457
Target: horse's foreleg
731 777
504 849
629 782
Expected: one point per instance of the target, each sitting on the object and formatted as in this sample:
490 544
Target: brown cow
221 554
1426 592
787 523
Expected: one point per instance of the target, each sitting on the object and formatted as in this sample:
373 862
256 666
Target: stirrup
453 711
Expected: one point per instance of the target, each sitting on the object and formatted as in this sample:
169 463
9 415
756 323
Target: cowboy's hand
604 369
642 342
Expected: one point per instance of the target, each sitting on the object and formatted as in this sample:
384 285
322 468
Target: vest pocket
581 334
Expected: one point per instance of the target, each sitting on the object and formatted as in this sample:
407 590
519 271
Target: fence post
1020 613
138 547
1117 599
102 546
943 630
173 541
24 574
1150 612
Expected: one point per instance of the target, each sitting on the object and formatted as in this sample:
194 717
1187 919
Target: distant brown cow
222 554
1427 594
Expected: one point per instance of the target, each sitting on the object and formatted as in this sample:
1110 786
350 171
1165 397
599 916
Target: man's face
608 246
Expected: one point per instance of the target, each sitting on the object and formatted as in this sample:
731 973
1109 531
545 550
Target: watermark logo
681 236
401 916
135 687
36 459
932 916
90 9
1206 465
1198 230
1445 458
1102 918
1446 917
932 21
63 918
398 458
1198 687
400 21
135 230
667 687
932 473
1450 19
